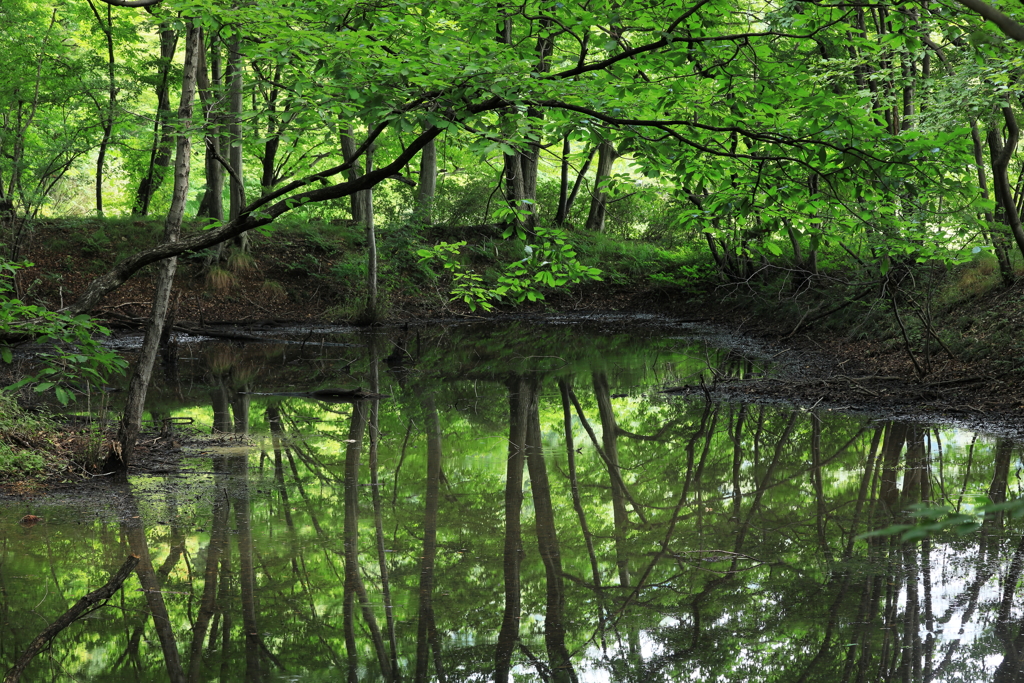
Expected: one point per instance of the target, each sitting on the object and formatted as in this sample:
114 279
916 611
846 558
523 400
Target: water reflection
525 506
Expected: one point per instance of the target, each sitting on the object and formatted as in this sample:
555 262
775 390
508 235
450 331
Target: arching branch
1009 26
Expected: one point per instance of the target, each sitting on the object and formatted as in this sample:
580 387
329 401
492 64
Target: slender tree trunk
132 418
268 177
378 517
360 203
362 212
520 169
425 628
233 78
353 579
563 183
372 312
575 192
996 237
107 27
160 154
610 439
210 82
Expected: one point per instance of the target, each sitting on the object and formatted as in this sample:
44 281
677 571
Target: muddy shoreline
807 372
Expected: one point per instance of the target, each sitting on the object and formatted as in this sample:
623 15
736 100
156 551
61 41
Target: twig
906 340
612 467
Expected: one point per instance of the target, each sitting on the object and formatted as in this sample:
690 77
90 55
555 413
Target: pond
518 503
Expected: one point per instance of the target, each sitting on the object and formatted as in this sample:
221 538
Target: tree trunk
372 313
107 117
210 81
268 177
563 183
521 397
1001 153
599 200
425 627
610 439
362 212
160 155
995 235
426 188
132 418
360 205
246 568
236 187
550 553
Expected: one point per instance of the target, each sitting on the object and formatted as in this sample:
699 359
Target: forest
480 496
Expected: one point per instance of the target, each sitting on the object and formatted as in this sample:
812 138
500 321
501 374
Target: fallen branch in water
66 619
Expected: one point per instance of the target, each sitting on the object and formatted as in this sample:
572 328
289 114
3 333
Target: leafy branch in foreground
74 355
550 262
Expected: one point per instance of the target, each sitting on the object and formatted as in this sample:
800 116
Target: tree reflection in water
538 512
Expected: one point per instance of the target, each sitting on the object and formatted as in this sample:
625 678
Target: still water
521 503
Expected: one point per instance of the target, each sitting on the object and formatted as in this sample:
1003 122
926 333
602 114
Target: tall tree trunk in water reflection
240 408
1011 669
736 434
550 555
1000 479
221 402
892 448
821 517
521 397
378 516
913 475
354 587
207 603
426 631
239 466
136 534
610 438
225 598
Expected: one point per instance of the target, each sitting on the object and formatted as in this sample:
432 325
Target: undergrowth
25 439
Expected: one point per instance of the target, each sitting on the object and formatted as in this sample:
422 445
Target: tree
132 417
